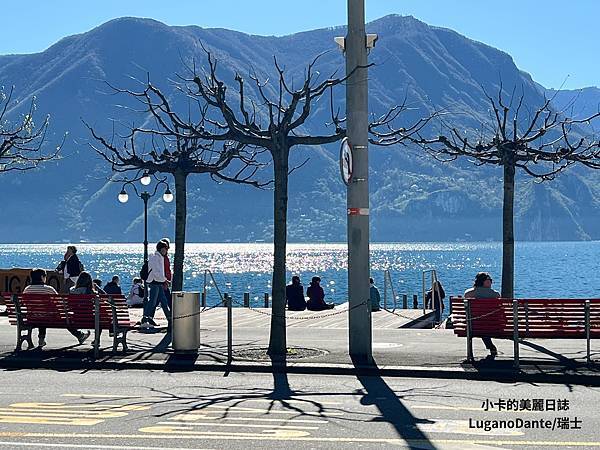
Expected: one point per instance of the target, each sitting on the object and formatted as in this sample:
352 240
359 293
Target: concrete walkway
397 351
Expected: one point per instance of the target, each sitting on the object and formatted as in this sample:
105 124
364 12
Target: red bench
104 312
521 319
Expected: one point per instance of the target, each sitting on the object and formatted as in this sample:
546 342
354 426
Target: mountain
413 197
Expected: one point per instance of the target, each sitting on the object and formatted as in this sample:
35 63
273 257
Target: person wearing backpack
135 299
156 280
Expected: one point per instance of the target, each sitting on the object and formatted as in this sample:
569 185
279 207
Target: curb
188 364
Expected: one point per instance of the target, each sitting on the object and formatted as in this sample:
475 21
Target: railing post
516 333
203 299
228 302
404 301
96 326
266 299
587 329
415 301
467 305
246 299
385 282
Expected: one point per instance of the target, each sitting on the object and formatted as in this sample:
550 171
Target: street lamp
123 197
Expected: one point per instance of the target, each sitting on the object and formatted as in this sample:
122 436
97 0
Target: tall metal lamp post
145 195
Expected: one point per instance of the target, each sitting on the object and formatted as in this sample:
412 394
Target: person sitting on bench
294 293
316 296
482 288
38 286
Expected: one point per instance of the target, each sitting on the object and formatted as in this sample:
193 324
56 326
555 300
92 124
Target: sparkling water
542 269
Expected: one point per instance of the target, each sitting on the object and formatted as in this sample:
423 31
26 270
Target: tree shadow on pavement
379 394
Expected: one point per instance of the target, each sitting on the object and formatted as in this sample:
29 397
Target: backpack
145 271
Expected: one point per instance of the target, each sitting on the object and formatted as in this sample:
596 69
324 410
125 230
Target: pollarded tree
274 119
541 143
21 143
169 144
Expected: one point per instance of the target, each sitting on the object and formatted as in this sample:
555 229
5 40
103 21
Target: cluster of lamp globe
145 181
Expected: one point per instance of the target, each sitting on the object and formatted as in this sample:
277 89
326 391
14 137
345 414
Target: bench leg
24 337
122 339
516 364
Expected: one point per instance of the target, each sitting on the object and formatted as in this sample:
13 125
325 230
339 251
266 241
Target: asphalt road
159 410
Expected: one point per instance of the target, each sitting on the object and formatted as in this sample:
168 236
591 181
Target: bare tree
21 142
540 142
274 120
170 145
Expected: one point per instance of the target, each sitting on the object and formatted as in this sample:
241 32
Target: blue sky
553 40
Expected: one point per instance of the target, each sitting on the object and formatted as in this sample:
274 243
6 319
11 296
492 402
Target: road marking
279 437
103 447
188 425
462 427
64 414
191 416
272 411
264 434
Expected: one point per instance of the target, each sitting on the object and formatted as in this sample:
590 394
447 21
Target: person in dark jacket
316 296
434 299
294 293
71 267
113 288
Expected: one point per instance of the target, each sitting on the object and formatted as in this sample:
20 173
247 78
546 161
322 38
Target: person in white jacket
156 280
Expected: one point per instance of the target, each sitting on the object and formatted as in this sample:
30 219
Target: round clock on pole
346 161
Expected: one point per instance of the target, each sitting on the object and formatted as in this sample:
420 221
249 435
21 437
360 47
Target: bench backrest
537 318
77 311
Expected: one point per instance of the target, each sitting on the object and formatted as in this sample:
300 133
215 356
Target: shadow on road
377 393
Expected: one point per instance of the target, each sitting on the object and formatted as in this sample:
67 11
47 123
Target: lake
542 269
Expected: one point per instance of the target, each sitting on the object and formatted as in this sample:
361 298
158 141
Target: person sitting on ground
98 284
113 287
374 295
482 288
434 299
316 296
294 293
38 286
135 299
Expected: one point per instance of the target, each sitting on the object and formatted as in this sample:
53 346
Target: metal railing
434 285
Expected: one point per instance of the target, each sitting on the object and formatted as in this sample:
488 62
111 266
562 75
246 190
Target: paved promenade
318 347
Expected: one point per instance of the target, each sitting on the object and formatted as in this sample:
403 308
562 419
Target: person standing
38 286
434 299
374 295
156 281
168 273
482 288
294 293
70 267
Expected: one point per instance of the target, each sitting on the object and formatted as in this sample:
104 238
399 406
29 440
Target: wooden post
266 299
246 299
404 301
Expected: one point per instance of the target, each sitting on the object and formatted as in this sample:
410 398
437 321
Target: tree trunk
180 222
277 339
508 237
